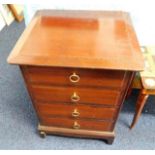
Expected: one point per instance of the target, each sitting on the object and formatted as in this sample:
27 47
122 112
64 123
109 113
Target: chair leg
129 93
139 107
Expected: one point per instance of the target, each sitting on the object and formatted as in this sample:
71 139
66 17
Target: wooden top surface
83 39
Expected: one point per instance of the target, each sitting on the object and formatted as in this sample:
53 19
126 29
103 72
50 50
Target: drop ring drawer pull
76 125
75 113
75 97
74 78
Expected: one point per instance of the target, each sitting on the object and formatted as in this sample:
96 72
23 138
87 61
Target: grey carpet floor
18 122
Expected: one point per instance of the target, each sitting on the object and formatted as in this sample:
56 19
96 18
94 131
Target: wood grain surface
88 77
83 111
85 39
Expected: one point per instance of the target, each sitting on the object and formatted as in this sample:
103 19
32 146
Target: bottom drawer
77 124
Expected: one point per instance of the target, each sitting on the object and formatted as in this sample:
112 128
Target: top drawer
77 77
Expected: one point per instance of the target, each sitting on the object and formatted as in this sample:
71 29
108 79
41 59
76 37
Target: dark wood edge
79 103
75 86
116 106
81 118
40 61
119 100
25 75
128 86
124 91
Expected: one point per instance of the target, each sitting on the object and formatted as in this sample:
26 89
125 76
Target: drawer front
76 124
76 77
74 95
75 111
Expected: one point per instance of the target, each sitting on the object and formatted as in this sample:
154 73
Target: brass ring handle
74 78
76 125
75 97
75 113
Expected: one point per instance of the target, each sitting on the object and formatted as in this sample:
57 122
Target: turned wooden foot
110 140
42 134
139 107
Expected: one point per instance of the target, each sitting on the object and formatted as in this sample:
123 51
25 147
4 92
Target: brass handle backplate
76 125
74 78
75 97
75 113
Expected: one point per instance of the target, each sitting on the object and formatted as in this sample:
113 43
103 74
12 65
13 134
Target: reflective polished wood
85 39
78 66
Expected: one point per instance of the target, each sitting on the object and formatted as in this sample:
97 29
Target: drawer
76 77
75 95
76 124
76 111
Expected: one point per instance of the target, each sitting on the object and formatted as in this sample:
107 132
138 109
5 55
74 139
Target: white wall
142 13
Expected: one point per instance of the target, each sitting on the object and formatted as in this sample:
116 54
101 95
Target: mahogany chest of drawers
78 66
